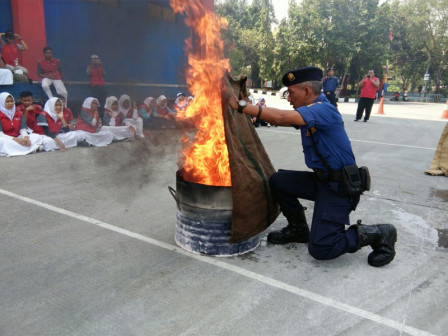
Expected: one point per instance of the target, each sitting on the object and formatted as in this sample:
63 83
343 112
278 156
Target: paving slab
87 244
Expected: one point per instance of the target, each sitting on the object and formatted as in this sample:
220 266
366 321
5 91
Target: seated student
181 101
145 110
31 113
54 125
261 102
88 125
49 69
251 99
29 109
131 117
112 120
68 114
163 116
11 52
14 139
6 77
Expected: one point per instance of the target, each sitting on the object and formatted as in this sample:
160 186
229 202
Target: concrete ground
87 244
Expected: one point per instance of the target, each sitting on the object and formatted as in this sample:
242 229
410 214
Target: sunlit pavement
87 244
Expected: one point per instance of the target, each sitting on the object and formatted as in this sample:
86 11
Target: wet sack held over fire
356 179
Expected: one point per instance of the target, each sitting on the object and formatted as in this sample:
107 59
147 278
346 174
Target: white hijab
9 113
120 104
148 101
259 101
49 107
180 96
109 101
88 102
160 100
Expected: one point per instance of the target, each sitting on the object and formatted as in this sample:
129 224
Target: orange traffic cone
380 108
445 112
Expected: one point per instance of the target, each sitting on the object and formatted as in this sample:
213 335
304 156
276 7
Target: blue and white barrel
204 220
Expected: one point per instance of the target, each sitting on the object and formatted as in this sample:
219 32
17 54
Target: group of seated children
28 128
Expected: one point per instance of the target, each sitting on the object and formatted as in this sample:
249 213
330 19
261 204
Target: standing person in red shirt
11 51
96 74
369 86
49 69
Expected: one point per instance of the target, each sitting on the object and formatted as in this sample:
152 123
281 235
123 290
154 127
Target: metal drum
204 219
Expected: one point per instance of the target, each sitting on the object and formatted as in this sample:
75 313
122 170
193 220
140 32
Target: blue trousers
328 238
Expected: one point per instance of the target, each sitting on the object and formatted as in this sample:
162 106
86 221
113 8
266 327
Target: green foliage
351 36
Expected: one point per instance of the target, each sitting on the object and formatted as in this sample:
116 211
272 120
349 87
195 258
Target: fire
206 159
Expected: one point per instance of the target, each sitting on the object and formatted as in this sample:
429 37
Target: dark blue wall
5 16
133 46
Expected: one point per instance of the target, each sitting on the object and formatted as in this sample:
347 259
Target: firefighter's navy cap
300 75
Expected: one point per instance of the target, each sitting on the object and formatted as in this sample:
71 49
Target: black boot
297 231
381 238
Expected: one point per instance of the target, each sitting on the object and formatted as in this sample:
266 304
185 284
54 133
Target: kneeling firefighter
334 184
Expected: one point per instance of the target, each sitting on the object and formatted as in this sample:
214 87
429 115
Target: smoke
132 166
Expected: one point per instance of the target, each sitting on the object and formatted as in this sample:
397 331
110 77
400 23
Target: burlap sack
253 207
439 164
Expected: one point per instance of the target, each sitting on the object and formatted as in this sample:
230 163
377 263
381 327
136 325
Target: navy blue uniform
328 238
329 85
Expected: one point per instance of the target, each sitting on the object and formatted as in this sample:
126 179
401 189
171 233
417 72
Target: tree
265 18
351 36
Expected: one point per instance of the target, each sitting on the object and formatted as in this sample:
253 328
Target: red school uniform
118 118
10 53
11 127
83 126
130 113
53 126
50 67
68 115
96 76
31 118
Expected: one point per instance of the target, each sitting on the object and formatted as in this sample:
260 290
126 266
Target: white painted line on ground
354 140
232 268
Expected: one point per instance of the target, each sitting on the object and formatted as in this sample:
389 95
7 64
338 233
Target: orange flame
206 159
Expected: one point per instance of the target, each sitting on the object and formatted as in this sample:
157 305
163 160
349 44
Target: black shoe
297 231
289 235
356 120
382 239
364 120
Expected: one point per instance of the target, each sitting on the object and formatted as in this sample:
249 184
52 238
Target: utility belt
329 92
356 179
332 176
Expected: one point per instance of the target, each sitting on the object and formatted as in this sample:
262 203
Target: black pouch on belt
356 180
352 180
365 178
